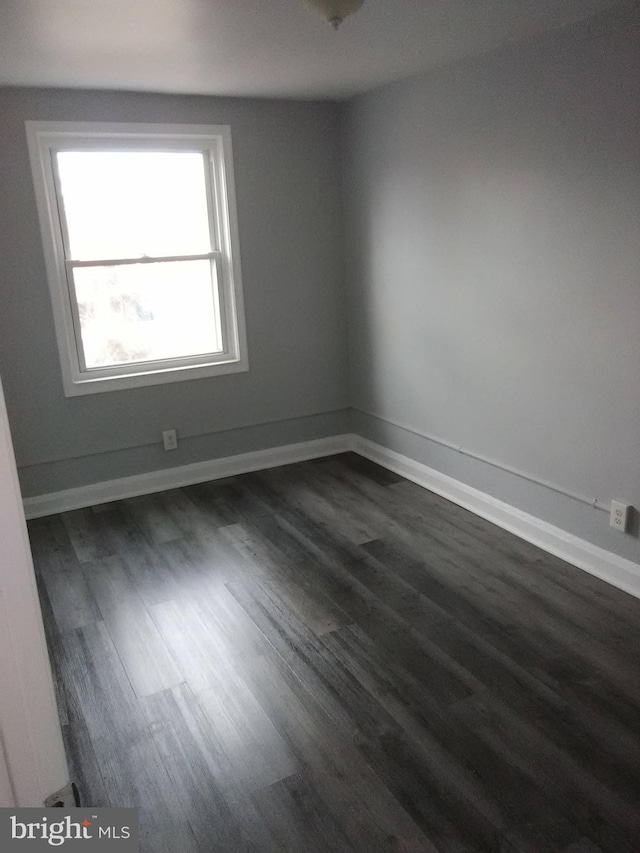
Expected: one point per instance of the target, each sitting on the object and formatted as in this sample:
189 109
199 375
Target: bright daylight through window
140 239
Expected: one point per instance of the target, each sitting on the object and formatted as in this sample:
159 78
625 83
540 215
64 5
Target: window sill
78 386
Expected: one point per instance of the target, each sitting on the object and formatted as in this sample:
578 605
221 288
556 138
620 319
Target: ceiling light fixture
334 11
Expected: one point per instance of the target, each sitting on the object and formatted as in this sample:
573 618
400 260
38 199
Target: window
141 246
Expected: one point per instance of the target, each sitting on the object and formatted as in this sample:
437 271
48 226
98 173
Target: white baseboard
616 570
183 475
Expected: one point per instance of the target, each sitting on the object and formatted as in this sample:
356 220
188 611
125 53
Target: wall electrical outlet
170 439
619 515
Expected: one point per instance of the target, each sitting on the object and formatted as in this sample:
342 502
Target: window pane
128 204
144 312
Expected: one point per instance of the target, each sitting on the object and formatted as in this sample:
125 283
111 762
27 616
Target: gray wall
494 267
288 191
491 217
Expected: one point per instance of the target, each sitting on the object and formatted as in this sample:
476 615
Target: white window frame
44 140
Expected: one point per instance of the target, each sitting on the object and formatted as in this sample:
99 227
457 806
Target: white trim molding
223 349
184 475
32 757
618 571
594 502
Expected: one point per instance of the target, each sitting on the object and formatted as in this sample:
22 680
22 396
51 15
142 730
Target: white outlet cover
170 439
619 515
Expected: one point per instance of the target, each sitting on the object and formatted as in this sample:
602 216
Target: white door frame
32 760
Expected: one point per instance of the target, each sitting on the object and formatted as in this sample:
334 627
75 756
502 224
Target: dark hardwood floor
325 657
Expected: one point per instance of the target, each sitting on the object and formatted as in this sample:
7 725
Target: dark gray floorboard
299 818
128 769
142 650
177 839
220 813
332 507
153 519
301 595
55 560
87 534
582 586
425 721
520 741
141 559
368 469
368 813
325 657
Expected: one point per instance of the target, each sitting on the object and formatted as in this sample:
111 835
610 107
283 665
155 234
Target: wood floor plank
179 838
311 605
549 832
83 763
367 468
546 646
220 813
138 776
544 599
423 718
336 483
129 766
566 719
142 561
586 799
210 638
335 571
50 542
54 645
520 564
152 518
368 813
98 687
87 534
213 499
213 642
256 752
184 514
71 600
299 818
326 657
521 568
201 535
594 593
199 568
380 737
332 507
144 654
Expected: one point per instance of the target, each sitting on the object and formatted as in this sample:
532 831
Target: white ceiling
255 47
